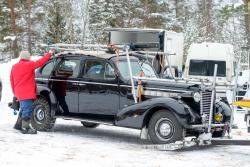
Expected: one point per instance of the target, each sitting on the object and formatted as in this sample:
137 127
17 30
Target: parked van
202 58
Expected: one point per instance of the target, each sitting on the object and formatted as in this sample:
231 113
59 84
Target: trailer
152 43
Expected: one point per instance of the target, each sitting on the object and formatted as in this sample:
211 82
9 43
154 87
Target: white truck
202 58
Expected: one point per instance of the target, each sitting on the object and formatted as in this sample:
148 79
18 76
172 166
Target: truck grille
206 97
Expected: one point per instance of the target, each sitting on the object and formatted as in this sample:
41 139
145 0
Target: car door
65 84
98 88
44 73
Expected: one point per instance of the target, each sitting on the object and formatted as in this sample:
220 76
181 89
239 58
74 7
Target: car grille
205 103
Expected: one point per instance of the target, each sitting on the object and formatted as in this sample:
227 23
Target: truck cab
202 57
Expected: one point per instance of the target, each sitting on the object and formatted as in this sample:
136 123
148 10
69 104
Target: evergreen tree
56 31
99 15
152 13
4 21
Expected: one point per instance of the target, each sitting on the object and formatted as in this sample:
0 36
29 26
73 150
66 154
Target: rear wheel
164 128
41 117
89 124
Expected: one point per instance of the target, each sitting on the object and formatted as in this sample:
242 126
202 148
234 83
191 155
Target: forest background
26 23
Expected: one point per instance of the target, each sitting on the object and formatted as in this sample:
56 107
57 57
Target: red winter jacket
22 77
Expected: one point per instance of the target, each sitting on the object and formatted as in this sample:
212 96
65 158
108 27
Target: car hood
166 88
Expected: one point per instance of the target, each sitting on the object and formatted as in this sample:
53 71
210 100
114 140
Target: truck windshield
206 68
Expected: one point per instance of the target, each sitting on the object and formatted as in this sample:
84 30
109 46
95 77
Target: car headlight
197 97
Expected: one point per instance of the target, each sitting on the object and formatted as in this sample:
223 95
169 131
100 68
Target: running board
82 119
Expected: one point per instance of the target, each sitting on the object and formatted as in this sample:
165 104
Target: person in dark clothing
59 88
22 78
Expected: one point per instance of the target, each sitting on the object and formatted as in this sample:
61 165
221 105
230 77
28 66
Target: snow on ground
70 144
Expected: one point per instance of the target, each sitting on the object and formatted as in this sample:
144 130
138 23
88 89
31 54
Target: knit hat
25 55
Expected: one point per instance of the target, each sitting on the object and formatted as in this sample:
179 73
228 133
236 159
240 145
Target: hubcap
164 129
40 114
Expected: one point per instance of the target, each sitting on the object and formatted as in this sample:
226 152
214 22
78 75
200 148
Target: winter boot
18 125
27 127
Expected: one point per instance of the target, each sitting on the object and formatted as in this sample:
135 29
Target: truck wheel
41 118
164 128
89 124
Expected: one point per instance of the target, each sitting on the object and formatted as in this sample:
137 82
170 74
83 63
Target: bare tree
29 2
179 13
11 4
209 19
247 21
84 7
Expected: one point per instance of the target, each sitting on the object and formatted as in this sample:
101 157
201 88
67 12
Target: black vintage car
95 88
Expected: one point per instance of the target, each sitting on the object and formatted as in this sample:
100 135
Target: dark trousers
63 104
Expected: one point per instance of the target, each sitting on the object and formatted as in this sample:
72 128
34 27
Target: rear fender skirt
134 116
50 96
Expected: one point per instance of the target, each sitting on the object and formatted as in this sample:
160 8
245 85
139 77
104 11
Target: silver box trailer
151 40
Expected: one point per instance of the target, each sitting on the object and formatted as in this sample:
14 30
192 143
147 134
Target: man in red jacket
22 78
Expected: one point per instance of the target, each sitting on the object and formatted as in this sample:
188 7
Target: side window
68 68
109 72
94 69
47 69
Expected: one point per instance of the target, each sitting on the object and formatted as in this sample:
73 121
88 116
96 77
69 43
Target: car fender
50 96
134 116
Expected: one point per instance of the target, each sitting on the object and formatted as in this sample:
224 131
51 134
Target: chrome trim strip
126 86
171 90
80 82
97 83
43 79
206 125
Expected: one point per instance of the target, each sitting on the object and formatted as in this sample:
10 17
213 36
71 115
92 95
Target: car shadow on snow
102 132
115 135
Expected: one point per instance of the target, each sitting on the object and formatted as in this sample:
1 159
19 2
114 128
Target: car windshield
123 68
136 68
148 70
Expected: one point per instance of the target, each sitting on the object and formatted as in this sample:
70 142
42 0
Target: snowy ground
70 144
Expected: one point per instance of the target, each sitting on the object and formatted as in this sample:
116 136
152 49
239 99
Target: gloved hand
52 52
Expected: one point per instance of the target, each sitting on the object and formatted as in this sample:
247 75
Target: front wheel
164 128
41 117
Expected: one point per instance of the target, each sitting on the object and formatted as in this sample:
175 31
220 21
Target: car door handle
76 84
82 84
